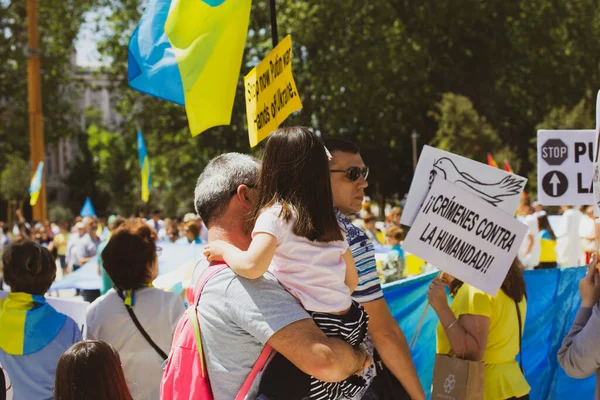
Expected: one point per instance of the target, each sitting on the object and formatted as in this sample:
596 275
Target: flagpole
36 131
274 24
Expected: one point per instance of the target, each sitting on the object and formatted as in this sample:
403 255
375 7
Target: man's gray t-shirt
237 318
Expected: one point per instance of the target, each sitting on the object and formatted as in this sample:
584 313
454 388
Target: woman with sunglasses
297 238
137 319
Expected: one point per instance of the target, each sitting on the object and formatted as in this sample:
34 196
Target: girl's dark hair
90 370
129 254
544 223
28 267
513 285
295 173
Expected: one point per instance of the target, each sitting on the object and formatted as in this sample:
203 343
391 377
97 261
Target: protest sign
565 167
464 235
499 188
271 94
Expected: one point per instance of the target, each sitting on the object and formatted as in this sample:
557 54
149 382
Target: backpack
185 376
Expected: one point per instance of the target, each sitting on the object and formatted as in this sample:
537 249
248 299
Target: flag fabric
491 161
208 37
36 184
144 167
152 66
190 52
507 167
88 209
27 323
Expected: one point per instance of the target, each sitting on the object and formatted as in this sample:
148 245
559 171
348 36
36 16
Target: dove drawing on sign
494 192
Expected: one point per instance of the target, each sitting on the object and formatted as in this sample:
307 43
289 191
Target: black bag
386 386
3 388
141 329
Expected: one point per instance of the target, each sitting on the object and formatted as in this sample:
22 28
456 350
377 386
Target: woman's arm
351 279
469 334
250 264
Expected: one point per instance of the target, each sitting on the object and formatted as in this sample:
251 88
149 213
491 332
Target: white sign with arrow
565 167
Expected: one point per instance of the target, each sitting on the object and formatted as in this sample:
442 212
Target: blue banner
553 301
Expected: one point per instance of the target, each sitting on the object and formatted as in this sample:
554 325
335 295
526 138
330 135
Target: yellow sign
271 94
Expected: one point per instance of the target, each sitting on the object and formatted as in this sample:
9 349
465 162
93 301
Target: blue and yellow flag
144 167
36 184
152 66
190 52
27 323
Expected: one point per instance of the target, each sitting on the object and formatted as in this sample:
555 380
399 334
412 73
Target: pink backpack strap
208 273
262 360
258 367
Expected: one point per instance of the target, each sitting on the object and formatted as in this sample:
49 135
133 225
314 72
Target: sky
87 51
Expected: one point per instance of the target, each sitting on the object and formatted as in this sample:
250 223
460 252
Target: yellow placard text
271 93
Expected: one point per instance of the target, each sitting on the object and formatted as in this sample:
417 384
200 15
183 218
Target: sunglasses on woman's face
353 173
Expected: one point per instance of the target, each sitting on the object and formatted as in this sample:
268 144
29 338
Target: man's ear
244 197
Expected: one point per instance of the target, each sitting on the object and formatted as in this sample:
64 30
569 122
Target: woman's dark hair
295 173
544 223
513 285
28 267
90 370
129 255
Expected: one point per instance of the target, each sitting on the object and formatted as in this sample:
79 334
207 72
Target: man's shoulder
354 235
230 283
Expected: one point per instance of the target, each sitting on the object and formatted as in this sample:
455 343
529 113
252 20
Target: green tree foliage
461 130
372 72
59 22
14 179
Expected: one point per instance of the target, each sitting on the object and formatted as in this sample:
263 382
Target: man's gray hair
222 175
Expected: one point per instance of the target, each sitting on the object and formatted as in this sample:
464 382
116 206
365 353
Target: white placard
72 308
565 167
465 236
496 186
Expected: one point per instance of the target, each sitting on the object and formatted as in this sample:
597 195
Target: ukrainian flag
144 167
190 52
36 184
27 323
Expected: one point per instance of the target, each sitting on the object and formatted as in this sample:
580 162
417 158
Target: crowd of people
285 269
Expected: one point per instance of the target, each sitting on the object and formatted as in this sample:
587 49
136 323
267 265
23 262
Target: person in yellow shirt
60 241
483 327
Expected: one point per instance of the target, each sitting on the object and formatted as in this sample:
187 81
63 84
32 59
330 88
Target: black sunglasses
353 173
234 191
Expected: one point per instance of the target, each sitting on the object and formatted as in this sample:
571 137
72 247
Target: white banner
565 167
465 236
496 186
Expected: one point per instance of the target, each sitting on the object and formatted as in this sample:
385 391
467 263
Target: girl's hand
215 251
436 294
589 286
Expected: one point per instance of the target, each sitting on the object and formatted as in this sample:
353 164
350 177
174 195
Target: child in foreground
297 238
